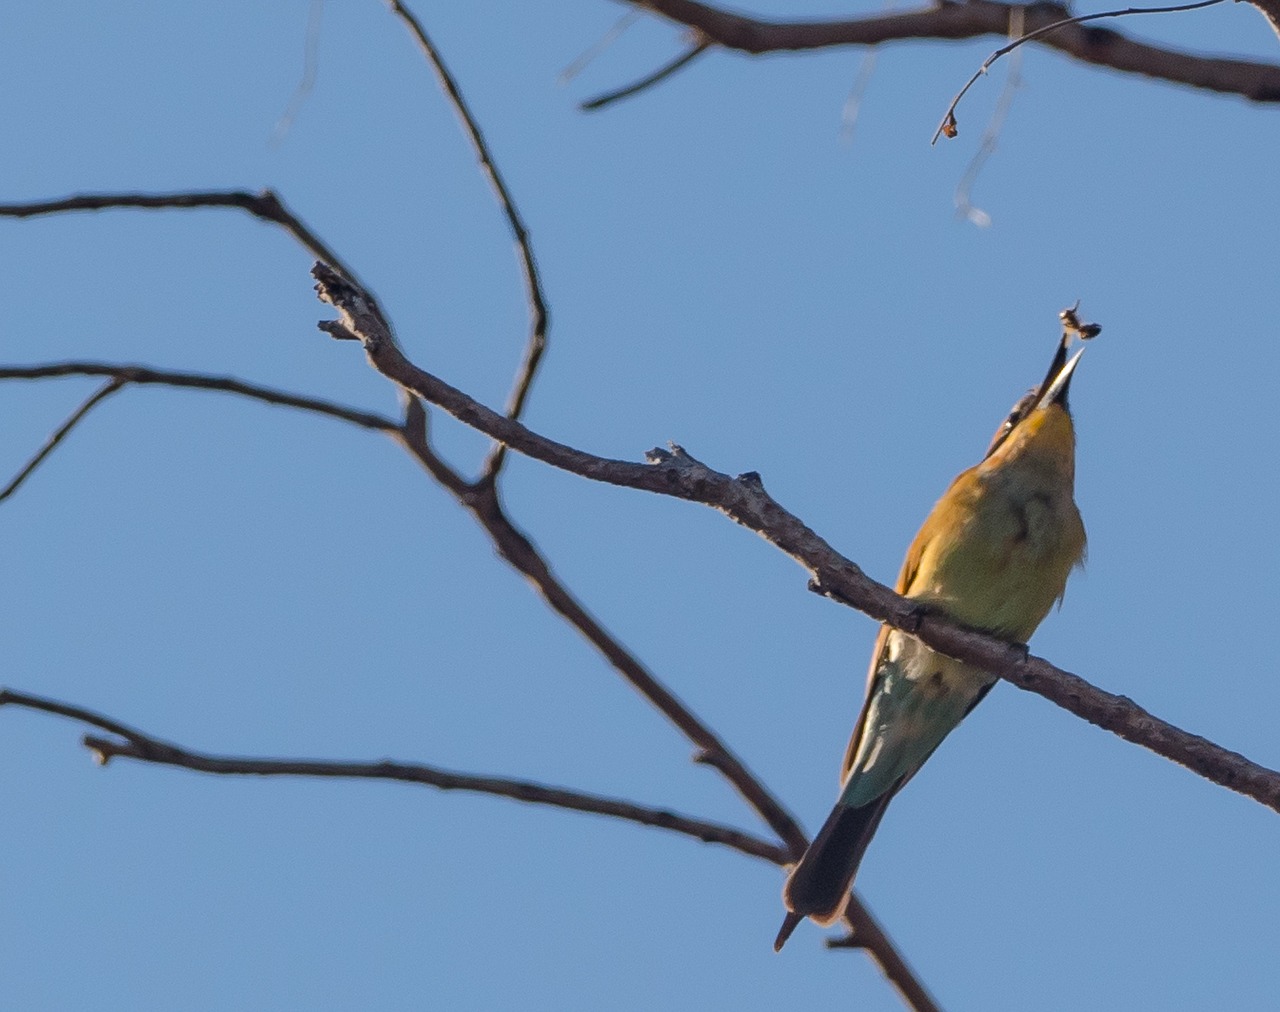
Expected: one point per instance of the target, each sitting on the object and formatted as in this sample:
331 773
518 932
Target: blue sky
723 272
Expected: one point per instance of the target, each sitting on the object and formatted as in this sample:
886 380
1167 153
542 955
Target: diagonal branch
649 80
865 933
61 433
1259 82
482 500
745 501
538 315
131 743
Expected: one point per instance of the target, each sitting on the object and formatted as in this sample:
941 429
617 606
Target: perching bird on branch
994 554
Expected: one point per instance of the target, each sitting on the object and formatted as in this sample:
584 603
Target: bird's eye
1019 412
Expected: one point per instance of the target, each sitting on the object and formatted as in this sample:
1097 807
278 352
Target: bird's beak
1054 388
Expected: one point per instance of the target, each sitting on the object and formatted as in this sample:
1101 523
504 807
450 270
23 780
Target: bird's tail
819 885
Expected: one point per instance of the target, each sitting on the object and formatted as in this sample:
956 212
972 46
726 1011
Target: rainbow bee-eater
994 554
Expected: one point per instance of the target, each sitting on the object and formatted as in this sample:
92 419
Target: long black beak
1054 388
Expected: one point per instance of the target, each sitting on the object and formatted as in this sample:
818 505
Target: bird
994 554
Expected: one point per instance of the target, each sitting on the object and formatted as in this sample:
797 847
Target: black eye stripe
1020 411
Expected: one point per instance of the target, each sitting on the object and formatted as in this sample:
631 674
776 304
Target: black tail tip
789 924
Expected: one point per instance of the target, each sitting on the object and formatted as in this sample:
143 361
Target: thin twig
140 375
744 500
991 136
648 81
60 433
538 314
948 124
131 743
265 205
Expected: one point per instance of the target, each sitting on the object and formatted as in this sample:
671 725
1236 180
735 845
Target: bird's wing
910 567
935 525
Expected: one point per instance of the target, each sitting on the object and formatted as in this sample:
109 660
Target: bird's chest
1011 523
1012 546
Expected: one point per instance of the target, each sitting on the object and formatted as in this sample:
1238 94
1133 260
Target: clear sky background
724 272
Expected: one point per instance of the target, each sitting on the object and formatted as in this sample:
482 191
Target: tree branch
131 743
866 934
59 434
482 501
1259 82
265 205
649 80
745 501
141 375
538 314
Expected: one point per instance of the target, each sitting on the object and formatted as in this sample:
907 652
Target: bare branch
1259 82
145 376
866 934
948 124
538 314
59 434
482 501
131 743
649 80
265 205
745 501
519 552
